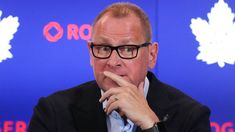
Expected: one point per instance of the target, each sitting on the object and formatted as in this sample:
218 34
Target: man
125 97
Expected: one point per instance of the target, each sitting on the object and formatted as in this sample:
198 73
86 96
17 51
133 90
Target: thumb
141 88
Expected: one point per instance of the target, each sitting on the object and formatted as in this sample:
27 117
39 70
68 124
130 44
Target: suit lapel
88 112
157 97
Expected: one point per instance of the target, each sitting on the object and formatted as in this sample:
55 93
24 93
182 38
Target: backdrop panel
43 49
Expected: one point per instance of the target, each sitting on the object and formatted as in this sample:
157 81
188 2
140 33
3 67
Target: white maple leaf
8 27
216 37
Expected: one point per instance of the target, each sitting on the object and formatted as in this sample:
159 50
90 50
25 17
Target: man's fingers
111 100
116 78
112 106
109 93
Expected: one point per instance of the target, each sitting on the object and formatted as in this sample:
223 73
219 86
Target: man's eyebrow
102 40
126 41
108 41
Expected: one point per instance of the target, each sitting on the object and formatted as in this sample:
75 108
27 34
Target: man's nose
114 59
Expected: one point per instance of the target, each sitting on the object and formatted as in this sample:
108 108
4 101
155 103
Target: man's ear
90 52
153 52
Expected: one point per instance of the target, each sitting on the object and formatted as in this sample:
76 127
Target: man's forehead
108 19
117 31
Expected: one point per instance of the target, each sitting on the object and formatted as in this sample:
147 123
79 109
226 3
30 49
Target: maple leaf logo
8 27
216 37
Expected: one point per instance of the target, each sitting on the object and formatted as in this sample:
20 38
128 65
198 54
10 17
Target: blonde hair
125 9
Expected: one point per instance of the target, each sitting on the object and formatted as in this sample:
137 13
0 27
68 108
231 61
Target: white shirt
115 122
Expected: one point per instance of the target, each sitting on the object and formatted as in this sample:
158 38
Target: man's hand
130 101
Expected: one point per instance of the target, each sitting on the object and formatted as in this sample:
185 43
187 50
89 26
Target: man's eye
129 49
105 48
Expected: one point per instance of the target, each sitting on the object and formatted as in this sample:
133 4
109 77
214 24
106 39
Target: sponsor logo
216 36
13 126
53 31
8 27
21 126
225 127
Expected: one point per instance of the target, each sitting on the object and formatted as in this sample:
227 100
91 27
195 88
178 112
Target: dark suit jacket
78 110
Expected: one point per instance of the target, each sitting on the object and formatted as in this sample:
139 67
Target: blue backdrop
50 53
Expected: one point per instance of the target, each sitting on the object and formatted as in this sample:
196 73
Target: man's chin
108 85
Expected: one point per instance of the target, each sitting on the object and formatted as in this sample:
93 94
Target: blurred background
48 53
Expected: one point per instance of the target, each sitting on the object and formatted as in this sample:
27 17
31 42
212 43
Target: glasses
104 51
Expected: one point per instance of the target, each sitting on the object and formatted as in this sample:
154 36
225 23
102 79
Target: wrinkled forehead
118 30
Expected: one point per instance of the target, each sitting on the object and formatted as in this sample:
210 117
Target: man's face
116 32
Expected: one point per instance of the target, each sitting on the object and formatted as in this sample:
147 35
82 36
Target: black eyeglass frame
116 48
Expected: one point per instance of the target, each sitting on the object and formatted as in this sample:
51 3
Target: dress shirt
115 122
